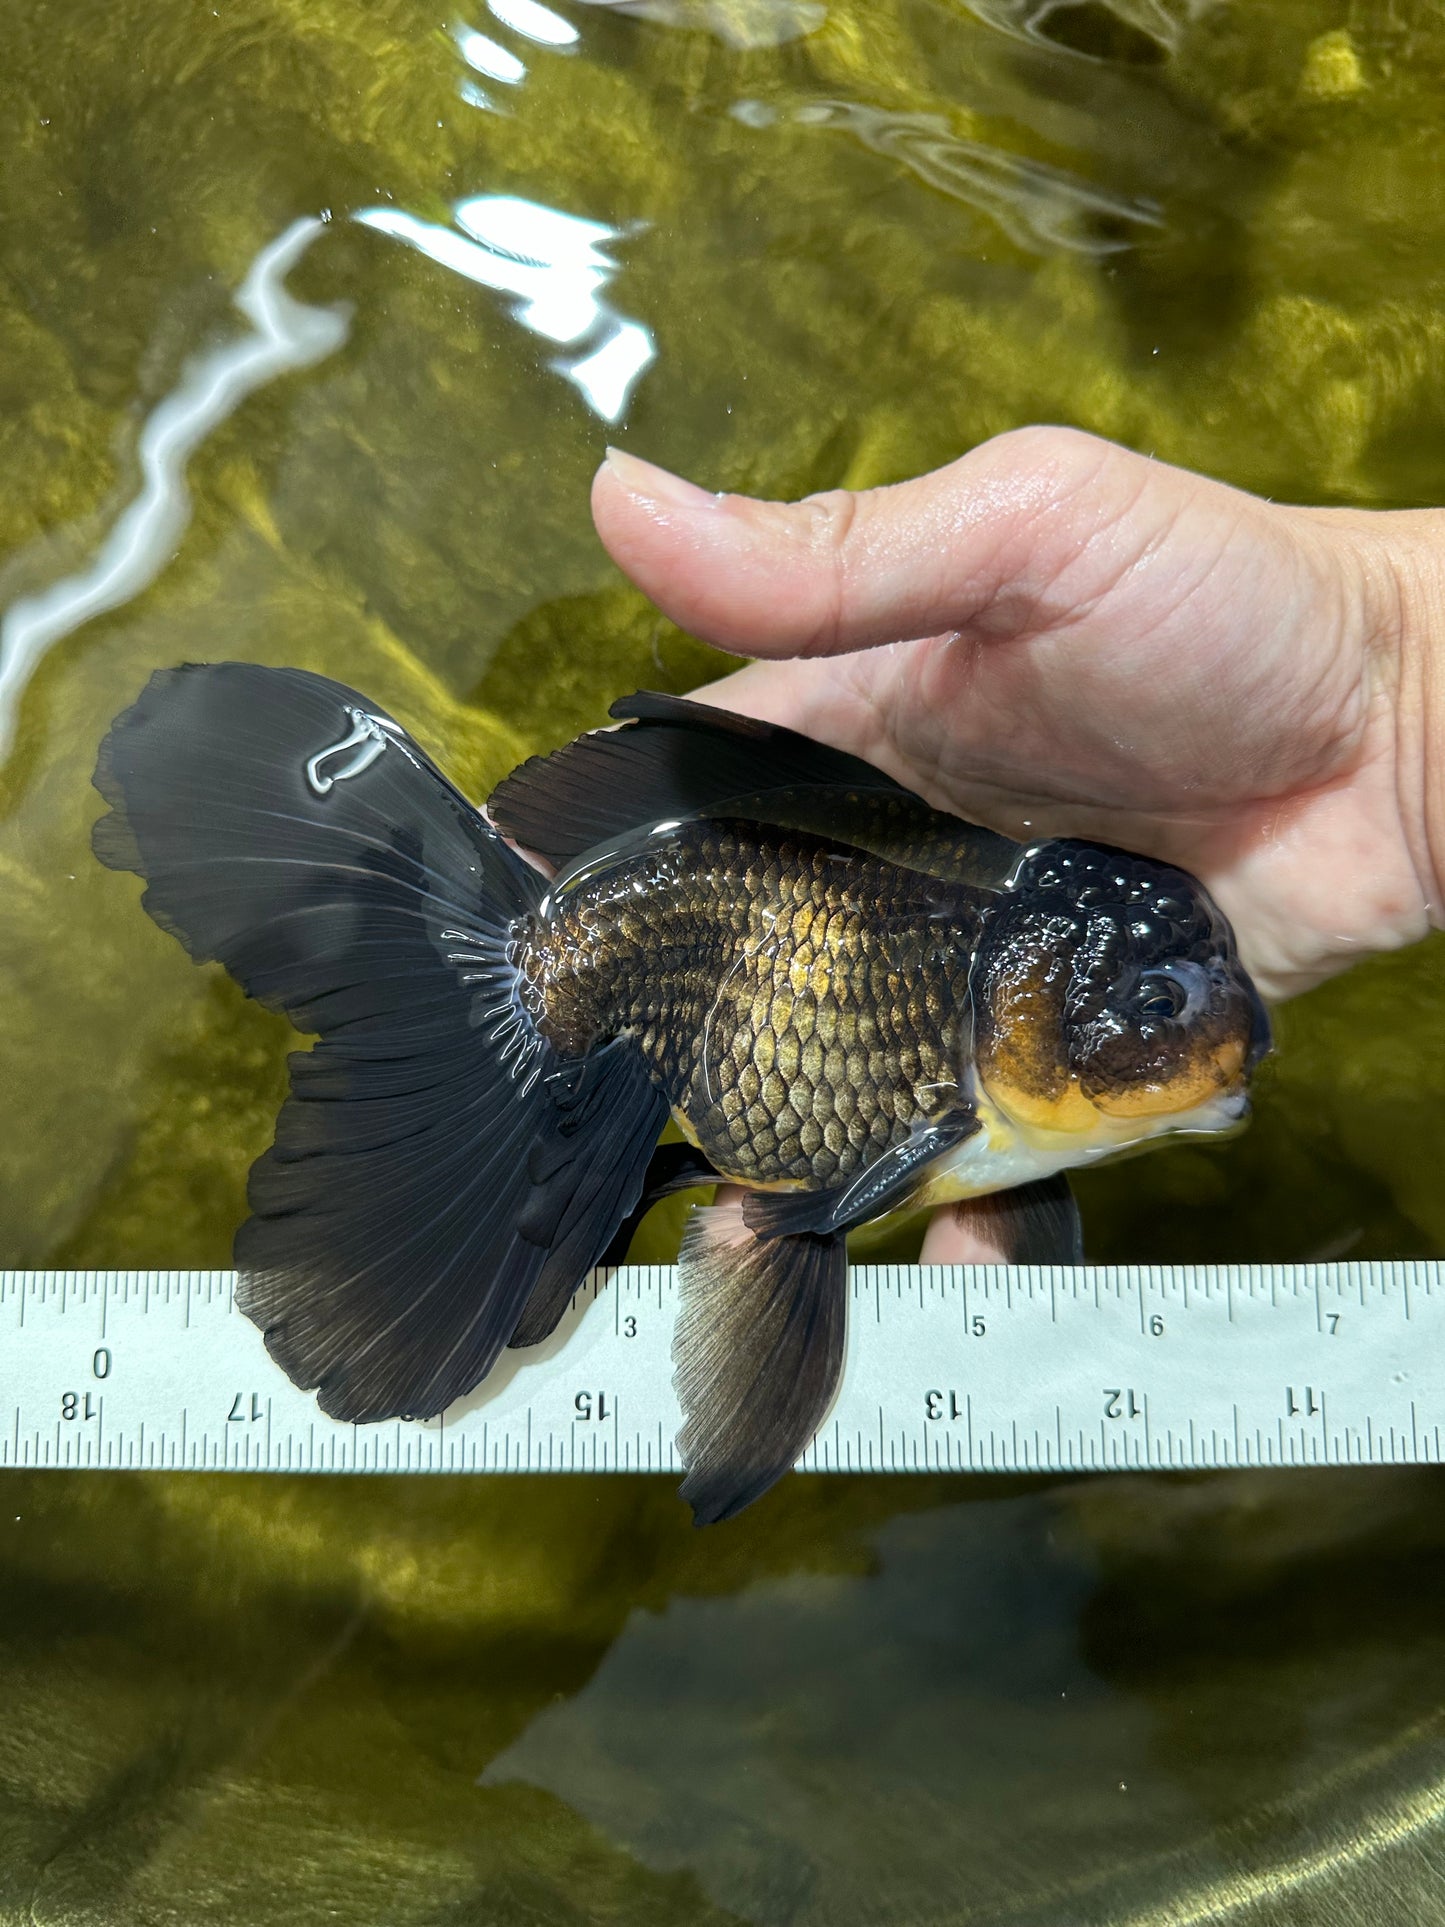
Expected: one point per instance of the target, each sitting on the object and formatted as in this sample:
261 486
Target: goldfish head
1110 1003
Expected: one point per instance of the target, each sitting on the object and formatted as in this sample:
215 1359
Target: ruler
968 1368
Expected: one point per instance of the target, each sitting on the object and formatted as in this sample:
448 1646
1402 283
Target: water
315 322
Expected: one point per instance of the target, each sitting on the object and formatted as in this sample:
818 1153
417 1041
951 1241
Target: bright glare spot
558 289
488 58
552 259
475 96
285 333
536 22
554 265
608 376
534 232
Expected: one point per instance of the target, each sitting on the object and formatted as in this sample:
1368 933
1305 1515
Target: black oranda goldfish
847 1001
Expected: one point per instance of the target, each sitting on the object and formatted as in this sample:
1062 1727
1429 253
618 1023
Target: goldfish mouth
1223 1116
1072 1115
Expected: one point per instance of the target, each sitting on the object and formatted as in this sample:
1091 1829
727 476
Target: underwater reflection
826 1748
1041 209
744 24
1101 1700
287 334
553 263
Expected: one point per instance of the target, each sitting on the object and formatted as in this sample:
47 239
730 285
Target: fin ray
676 759
758 1350
387 1258
599 1190
672 1168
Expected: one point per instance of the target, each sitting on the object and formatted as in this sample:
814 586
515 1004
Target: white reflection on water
146 534
1040 208
553 264
607 375
476 96
535 22
1164 21
740 23
496 62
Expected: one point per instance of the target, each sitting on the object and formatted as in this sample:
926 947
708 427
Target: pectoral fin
758 1350
878 1187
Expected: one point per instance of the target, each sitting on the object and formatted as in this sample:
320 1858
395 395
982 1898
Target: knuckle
829 522
1052 445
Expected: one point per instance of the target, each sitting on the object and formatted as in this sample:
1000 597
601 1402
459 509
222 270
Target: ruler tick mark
1026 1389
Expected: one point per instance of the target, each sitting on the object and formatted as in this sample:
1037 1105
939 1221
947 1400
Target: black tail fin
672 1167
432 1153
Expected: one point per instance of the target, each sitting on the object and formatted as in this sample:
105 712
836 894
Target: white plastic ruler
986 1368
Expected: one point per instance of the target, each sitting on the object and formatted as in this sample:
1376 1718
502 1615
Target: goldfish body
845 999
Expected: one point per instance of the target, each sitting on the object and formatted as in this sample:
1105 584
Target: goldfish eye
1176 990
1164 999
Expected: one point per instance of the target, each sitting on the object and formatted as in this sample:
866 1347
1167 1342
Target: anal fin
758 1350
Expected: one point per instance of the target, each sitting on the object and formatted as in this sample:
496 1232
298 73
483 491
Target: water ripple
554 266
744 24
287 334
1163 21
1042 209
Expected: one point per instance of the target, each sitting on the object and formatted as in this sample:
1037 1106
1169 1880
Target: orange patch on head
1065 1109
1020 1053
1058 1103
1192 1085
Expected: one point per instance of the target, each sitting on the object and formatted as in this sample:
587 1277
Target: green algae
1213 231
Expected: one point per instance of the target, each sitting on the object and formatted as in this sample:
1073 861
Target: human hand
1058 637
1109 647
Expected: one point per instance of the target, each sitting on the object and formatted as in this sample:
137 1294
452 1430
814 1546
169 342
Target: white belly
1004 1154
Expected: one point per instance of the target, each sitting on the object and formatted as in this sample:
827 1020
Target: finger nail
653 484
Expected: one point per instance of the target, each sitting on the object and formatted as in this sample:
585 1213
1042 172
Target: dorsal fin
677 759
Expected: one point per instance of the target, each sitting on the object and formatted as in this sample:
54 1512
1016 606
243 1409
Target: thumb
1007 541
962 1234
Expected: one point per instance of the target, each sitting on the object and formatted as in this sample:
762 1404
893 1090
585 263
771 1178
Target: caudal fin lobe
432 1152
